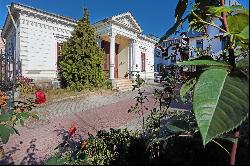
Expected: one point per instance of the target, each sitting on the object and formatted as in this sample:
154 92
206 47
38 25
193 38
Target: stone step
123 81
122 89
123 85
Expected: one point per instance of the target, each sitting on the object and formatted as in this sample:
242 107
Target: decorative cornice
40 12
144 37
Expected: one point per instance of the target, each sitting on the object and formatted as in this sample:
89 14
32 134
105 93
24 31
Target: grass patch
55 95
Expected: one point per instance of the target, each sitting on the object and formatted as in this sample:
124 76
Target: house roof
114 18
193 34
18 5
15 8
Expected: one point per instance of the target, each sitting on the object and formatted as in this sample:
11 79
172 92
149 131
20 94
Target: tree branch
224 16
207 23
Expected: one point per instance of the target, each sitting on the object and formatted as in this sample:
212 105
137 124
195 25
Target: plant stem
234 148
224 16
204 22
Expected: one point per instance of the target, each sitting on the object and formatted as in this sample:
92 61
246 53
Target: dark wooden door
106 46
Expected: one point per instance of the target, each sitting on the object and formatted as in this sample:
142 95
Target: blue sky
154 16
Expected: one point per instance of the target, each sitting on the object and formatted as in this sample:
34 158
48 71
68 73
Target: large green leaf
243 63
243 36
202 63
220 102
229 9
5 132
186 87
237 23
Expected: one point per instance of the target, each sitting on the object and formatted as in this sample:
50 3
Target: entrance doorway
106 46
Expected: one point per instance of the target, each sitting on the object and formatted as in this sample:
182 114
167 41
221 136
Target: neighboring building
212 38
2 45
171 55
41 35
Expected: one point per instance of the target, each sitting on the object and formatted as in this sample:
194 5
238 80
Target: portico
126 49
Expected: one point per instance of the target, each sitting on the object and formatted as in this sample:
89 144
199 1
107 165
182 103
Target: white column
129 57
99 41
112 56
134 46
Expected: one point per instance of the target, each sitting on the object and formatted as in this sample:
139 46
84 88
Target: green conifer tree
82 59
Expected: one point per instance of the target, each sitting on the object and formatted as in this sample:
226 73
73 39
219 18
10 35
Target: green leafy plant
141 98
116 146
221 88
24 86
9 118
82 60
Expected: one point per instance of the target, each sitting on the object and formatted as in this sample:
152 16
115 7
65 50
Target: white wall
38 46
148 48
122 57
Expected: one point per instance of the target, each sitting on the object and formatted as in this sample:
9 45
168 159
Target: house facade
39 36
170 55
212 39
127 50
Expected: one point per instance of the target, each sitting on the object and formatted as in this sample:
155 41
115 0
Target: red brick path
33 145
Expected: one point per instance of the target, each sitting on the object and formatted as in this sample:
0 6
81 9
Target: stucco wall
38 46
123 56
147 48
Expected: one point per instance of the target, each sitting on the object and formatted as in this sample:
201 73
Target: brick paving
37 140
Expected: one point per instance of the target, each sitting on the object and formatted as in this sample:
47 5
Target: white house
39 35
212 37
171 54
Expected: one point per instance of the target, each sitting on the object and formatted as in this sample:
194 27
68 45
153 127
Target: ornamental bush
82 59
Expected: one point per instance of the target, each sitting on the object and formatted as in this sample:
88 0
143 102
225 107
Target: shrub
81 62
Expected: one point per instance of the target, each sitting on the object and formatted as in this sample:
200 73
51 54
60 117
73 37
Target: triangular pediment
127 20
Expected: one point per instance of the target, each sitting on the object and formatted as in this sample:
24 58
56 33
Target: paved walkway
37 140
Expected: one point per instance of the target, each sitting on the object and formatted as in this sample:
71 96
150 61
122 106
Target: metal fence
10 71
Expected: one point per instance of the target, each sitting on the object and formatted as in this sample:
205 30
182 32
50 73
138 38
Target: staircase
123 85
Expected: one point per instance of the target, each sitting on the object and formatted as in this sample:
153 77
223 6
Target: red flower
72 130
40 97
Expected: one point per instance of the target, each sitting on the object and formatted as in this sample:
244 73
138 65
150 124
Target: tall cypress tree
82 59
